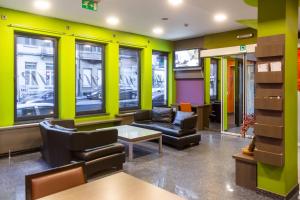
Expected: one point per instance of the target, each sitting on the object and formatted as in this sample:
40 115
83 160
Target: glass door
232 93
249 88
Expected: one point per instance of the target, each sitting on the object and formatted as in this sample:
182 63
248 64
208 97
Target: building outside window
214 80
129 84
89 78
35 77
159 79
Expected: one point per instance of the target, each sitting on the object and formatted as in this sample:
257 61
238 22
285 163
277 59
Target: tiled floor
203 172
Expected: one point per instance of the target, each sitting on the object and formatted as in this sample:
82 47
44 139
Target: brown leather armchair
99 149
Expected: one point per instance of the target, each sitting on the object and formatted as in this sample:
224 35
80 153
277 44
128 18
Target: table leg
160 144
130 151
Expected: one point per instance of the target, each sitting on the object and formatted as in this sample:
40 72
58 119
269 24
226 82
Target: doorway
232 93
238 92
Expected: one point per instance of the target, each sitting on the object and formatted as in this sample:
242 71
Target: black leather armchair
99 149
180 135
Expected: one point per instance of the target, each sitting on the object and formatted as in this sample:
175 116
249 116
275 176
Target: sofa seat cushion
91 154
165 128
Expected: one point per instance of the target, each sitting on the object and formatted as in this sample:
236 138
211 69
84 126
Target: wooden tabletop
119 186
245 158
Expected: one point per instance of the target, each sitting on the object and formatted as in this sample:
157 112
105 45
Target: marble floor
205 172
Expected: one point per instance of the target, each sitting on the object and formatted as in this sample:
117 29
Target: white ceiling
140 16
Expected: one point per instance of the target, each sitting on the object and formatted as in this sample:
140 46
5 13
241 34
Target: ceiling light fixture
112 20
42 4
158 30
220 17
175 2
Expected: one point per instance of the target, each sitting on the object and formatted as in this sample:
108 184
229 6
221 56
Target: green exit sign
89 5
243 48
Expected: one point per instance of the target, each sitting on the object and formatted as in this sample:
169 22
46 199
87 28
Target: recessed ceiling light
42 4
158 30
220 17
175 2
112 20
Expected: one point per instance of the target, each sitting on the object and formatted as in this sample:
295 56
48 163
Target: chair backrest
55 180
185 107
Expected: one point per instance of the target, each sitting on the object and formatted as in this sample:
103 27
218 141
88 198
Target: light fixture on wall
175 2
42 4
245 36
112 20
158 30
220 17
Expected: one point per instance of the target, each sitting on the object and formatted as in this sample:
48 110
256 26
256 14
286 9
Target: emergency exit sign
89 5
243 48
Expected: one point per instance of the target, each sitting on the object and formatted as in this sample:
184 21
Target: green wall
30 23
228 39
283 20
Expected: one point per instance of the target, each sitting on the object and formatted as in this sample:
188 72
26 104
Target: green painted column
112 78
6 76
224 94
281 17
171 81
66 77
146 78
207 80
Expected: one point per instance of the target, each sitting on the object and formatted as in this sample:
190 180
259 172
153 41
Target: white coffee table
133 135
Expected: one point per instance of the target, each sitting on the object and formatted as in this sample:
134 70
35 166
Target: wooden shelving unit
269 100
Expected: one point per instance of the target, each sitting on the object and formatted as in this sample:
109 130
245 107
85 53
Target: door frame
221 53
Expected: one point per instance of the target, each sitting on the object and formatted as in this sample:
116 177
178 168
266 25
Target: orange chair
185 107
55 180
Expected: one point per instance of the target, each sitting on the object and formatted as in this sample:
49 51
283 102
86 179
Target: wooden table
132 135
119 186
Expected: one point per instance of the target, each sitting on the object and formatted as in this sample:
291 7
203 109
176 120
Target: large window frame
103 110
127 109
55 83
162 53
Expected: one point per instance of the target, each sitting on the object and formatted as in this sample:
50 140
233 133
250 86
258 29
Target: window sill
92 115
128 112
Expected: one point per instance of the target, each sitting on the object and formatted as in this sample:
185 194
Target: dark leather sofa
179 136
63 144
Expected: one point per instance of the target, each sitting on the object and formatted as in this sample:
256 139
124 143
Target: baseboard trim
292 195
16 153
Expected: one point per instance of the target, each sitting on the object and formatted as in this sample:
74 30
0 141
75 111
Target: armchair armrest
83 140
142 115
189 123
67 123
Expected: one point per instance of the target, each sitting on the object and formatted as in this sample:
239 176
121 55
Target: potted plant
249 121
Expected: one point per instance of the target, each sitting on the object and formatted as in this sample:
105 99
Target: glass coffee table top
127 132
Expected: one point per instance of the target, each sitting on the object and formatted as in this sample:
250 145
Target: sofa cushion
165 128
91 154
182 116
162 114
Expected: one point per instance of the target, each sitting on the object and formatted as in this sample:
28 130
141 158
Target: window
129 85
89 78
159 79
35 77
214 79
